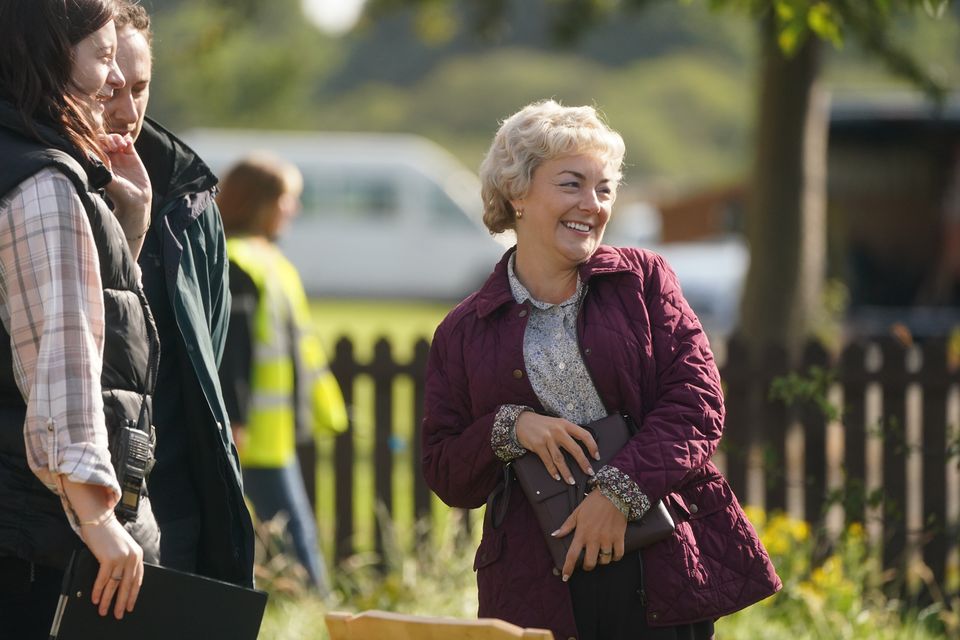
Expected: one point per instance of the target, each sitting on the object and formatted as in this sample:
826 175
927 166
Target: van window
443 211
348 195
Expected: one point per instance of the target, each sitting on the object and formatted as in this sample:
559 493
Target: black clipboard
171 604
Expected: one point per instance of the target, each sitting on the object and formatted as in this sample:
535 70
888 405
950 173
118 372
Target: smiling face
126 109
566 210
95 75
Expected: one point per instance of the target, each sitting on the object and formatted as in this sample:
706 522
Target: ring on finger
605 553
120 577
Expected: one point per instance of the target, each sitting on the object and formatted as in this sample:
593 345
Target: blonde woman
565 332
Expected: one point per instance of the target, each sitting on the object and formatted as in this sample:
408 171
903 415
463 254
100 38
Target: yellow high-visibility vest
282 323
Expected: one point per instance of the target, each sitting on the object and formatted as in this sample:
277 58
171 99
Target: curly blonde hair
539 132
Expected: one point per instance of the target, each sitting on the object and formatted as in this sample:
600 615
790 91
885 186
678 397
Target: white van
384 215
712 272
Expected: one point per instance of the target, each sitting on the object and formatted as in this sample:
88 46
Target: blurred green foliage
675 77
215 64
841 597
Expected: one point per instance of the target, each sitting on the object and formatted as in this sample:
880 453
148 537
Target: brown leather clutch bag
554 500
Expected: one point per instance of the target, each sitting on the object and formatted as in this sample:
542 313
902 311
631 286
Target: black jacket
33 525
193 263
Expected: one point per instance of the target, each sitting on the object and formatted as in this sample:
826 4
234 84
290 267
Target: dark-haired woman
76 338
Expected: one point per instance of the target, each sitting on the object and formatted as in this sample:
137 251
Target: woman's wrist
103 519
140 235
623 492
86 504
615 500
503 438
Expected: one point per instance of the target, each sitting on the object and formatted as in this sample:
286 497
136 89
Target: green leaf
786 10
935 8
824 22
791 36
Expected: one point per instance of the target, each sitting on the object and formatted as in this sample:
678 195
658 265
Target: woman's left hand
599 528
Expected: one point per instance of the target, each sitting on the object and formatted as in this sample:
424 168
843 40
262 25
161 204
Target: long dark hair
36 62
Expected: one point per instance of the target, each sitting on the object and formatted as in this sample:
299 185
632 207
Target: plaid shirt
51 304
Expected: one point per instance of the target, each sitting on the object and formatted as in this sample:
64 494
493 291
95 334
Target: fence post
894 384
421 493
344 367
772 418
936 382
814 423
383 371
853 376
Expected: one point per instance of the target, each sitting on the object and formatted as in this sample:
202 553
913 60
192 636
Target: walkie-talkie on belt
131 459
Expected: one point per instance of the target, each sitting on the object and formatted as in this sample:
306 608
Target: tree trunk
786 214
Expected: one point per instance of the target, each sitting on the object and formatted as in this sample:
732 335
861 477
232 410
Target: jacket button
523 313
517 374
556 572
587 351
694 508
653 615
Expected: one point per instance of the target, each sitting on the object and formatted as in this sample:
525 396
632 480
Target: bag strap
499 498
632 426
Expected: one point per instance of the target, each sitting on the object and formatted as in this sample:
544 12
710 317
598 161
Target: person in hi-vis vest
274 372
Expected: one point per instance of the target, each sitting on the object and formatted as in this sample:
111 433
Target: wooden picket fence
869 435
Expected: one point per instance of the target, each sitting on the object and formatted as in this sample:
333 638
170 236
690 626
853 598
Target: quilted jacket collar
496 290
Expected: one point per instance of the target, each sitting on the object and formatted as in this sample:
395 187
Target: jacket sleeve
236 369
458 459
682 427
219 279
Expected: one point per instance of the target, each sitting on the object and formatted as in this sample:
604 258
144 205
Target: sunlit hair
133 14
539 132
36 61
251 190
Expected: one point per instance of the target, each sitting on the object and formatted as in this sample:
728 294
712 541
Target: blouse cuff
503 437
623 492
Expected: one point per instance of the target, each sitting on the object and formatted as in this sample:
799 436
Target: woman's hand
119 555
599 528
121 566
549 437
130 188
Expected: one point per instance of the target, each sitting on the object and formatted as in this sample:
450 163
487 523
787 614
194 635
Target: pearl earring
519 213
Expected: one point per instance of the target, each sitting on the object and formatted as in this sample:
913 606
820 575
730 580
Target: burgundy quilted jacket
648 356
